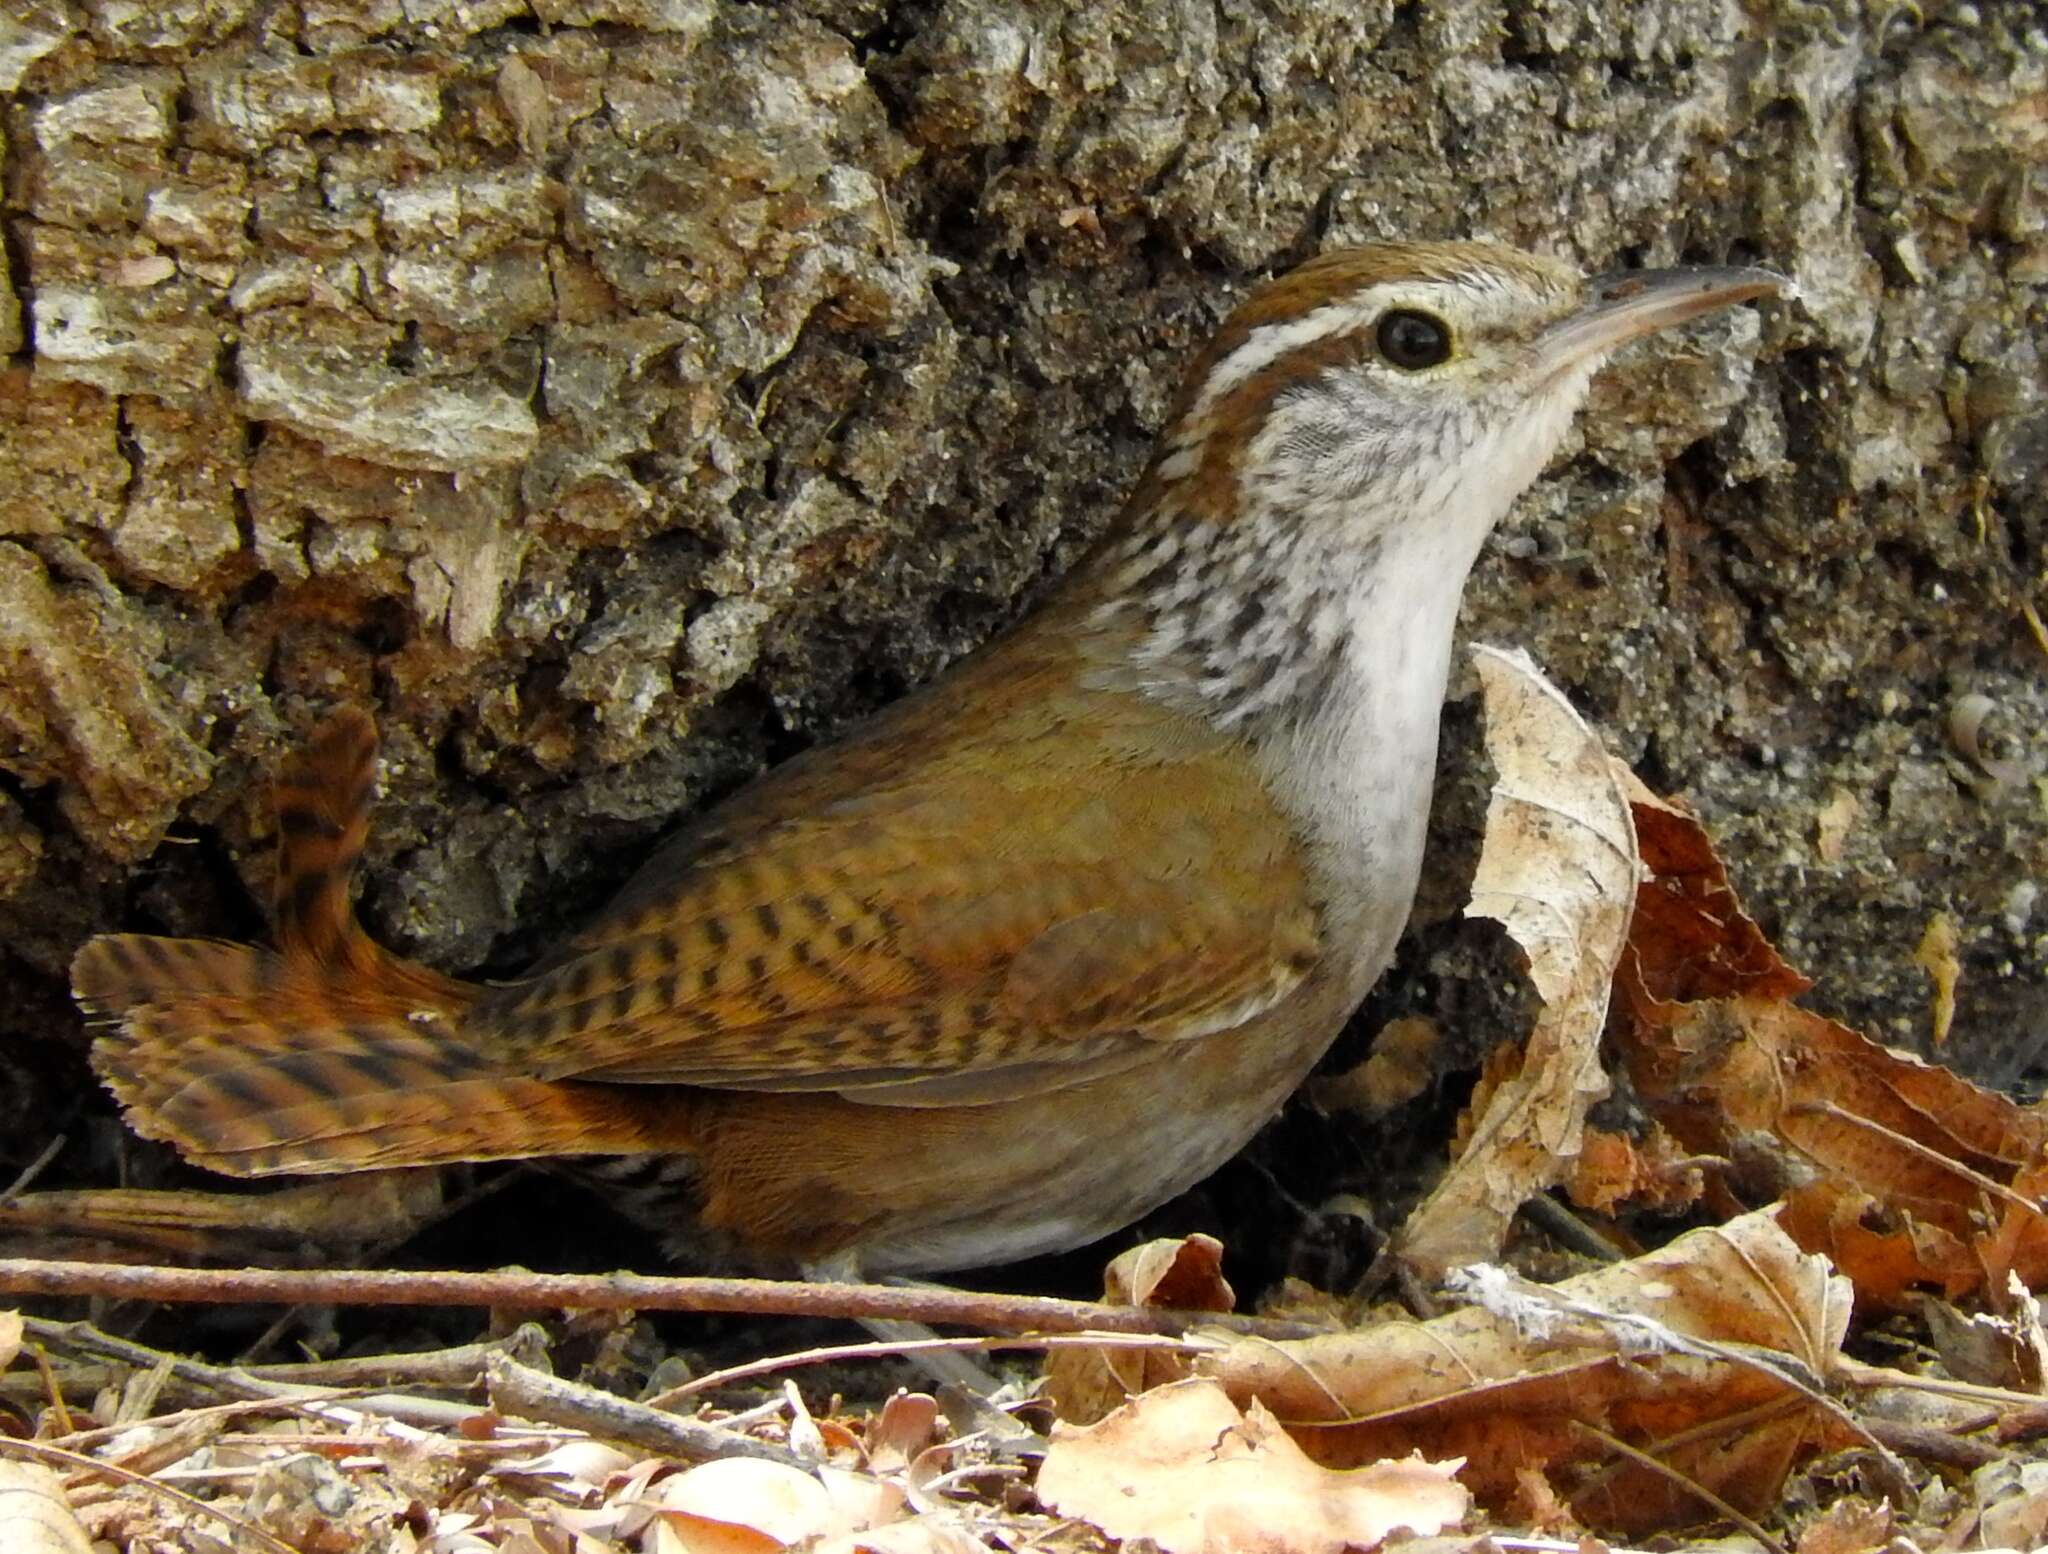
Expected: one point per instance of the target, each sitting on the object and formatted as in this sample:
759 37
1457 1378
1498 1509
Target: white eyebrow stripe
1269 342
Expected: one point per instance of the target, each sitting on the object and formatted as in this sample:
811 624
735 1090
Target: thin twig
56 1456
910 1349
459 1366
1858 1374
375 1251
52 1388
531 1394
521 1290
1693 1487
1930 1444
87 1440
32 1170
1546 1213
84 1338
1934 1157
362 1378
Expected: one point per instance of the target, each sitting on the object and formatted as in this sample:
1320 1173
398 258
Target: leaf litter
1836 1187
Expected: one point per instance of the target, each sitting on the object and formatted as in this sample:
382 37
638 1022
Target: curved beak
1629 304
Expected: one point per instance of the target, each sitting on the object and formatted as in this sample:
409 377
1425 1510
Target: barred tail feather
330 1053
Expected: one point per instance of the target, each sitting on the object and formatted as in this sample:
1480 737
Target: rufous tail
328 1053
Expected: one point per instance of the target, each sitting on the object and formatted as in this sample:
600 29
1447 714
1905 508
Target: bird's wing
926 916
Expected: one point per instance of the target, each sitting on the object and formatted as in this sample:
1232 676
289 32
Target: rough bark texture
618 394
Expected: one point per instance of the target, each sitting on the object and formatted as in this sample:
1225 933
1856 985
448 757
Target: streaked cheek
1332 446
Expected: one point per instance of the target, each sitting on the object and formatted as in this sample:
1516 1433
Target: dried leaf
1653 1171
1185 1275
10 1337
1509 1392
2013 1501
577 1465
1887 1163
939 1533
1936 955
1399 1068
741 1505
35 1518
1888 1256
1849 1526
1183 1467
907 1424
1690 939
1558 869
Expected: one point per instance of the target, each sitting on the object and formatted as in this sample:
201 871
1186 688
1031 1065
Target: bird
1035 948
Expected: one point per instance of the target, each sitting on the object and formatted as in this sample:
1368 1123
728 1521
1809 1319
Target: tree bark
617 395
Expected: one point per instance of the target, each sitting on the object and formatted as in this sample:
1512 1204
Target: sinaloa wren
1034 949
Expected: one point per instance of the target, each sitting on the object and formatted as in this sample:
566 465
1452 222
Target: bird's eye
1413 341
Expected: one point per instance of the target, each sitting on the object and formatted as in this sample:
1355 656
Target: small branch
32 1170
1932 1445
460 1367
910 1349
1652 1464
531 1394
1934 1157
56 1456
84 1338
521 1290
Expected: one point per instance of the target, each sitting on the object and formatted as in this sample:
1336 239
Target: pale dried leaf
906 1425
35 1518
10 1337
582 1464
806 1439
740 1505
457 1540
2013 1504
1559 870
1936 955
1849 1526
1185 1274
860 1499
1629 1347
1181 1466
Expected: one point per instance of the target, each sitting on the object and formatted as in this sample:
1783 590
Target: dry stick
905 1349
375 1251
611 1292
363 1379
32 1170
1547 1214
191 1505
460 1366
1693 1487
1934 1157
1930 1444
531 1394
309 1405
84 1338
52 1389
2033 620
